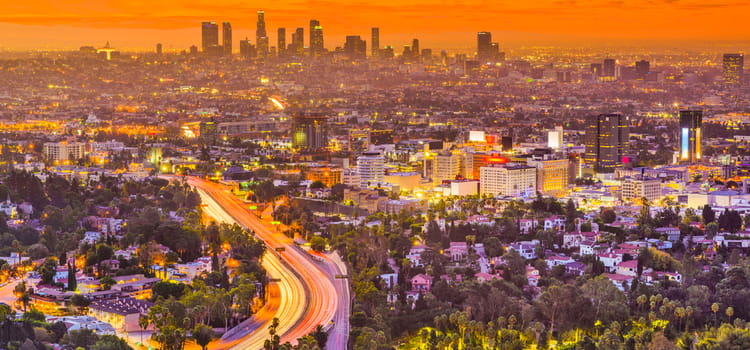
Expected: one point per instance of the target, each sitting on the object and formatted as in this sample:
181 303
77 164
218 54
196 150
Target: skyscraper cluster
487 51
210 38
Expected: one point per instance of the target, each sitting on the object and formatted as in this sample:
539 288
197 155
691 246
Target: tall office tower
247 49
427 56
371 169
355 47
209 35
445 166
415 49
484 45
281 39
316 38
555 138
261 38
309 132
375 42
299 45
733 68
690 135
226 38
642 68
608 69
158 49
607 142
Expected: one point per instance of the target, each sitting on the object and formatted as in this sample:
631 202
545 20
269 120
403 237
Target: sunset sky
136 24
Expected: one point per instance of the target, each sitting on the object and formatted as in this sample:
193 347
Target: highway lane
283 295
321 301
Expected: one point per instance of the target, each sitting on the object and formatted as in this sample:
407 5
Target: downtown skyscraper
316 38
226 38
261 37
606 140
281 41
209 35
487 51
375 42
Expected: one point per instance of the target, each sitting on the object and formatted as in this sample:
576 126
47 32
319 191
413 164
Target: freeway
309 295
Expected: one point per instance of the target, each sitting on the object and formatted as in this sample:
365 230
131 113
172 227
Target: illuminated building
487 51
552 176
733 64
58 152
606 142
510 179
309 132
328 176
247 49
298 41
608 69
226 38
596 69
359 140
355 47
316 38
375 42
371 169
209 35
381 137
690 135
261 38
281 39
639 187
445 167
555 138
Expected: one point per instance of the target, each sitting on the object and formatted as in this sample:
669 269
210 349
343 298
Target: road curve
301 309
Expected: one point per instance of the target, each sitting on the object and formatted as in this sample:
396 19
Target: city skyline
45 25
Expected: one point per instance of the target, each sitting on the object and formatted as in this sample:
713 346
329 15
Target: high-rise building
733 64
375 42
606 142
281 38
371 169
515 180
316 38
309 132
415 49
445 166
226 38
158 49
298 41
247 49
608 69
555 138
261 37
691 122
355 47
642 68
209 35
484 42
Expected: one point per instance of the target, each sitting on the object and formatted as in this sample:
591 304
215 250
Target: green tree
202 335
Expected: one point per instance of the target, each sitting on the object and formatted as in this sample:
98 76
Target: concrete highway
310 295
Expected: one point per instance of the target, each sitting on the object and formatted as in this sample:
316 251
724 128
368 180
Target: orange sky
62 24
